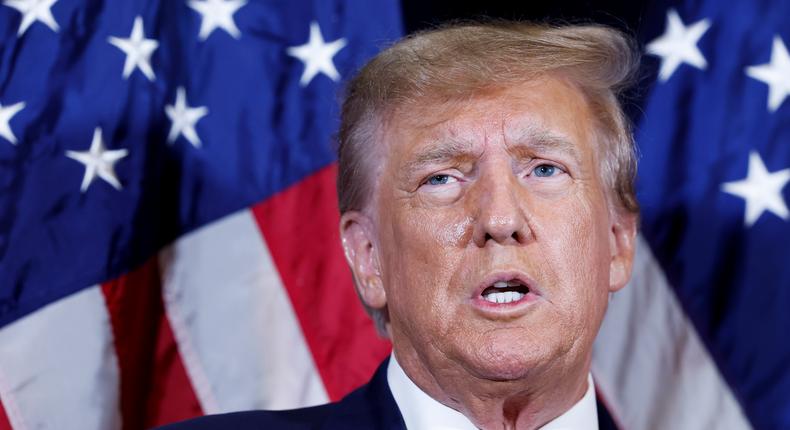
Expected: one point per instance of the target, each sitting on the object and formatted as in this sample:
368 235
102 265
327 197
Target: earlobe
622 239
356 231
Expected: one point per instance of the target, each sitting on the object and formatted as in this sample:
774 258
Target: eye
440 180
545 170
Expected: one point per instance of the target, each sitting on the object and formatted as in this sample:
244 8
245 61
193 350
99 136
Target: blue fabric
697 132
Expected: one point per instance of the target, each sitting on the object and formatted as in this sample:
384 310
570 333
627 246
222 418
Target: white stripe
59 369
236 329
650 364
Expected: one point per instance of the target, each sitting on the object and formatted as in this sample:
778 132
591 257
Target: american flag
168 232
699 340
168 223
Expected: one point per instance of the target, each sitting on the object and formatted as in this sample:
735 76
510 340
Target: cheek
580 257
419 268
428 237
429 247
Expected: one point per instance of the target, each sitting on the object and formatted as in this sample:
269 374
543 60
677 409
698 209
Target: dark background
625 15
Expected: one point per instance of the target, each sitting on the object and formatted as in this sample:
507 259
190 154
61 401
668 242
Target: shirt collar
421 412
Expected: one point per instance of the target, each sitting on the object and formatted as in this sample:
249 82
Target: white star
776 74
217 14
317 55
761 190
99 162
184 118
678 45
32 11
138 50
6 113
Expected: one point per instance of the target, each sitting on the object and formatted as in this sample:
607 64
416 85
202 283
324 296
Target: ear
622 238
356 234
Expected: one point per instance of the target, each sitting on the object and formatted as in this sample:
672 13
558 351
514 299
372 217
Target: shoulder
370 406
297 419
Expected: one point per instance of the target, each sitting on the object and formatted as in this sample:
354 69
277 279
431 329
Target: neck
524 404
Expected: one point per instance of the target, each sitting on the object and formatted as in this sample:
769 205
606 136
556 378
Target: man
487 212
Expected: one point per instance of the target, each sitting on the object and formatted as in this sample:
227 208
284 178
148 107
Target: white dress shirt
421 412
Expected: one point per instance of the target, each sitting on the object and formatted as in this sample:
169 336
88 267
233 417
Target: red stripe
5 423
300 226
154 385
172 397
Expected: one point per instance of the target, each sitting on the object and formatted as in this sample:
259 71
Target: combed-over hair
459 61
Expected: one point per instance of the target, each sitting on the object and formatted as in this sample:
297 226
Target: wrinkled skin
504 184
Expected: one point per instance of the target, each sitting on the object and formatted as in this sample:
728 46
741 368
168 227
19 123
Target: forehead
545 109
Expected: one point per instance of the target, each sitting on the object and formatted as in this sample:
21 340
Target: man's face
493 238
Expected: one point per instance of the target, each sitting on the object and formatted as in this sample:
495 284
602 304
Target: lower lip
524 303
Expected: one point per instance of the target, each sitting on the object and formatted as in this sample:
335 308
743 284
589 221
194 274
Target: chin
498 360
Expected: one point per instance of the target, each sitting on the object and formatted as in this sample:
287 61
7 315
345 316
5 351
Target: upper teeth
503 297
503 284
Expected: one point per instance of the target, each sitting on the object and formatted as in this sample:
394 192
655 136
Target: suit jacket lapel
371 406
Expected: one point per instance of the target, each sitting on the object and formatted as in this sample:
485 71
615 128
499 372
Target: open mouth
505 292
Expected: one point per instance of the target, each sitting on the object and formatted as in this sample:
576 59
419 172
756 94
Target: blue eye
438 180
545 170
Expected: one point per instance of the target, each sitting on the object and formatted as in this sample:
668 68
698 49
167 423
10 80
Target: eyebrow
439 152
538 139
524 144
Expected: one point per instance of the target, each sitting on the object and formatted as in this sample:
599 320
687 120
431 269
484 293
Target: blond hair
458 61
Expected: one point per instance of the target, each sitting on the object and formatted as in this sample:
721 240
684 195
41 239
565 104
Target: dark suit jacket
369 407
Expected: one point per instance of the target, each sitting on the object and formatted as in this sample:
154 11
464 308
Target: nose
501 217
